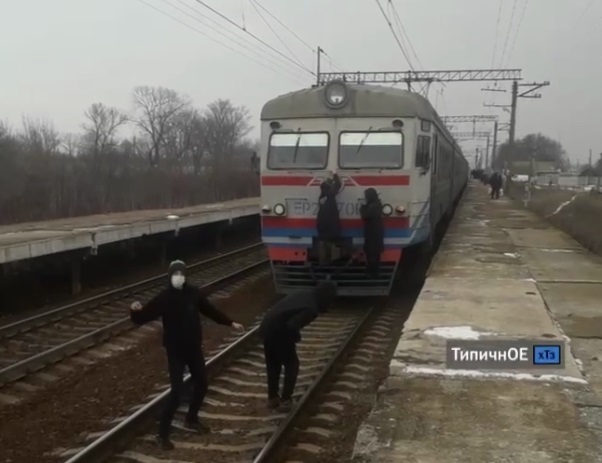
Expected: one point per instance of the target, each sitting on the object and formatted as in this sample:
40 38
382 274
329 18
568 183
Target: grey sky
59 56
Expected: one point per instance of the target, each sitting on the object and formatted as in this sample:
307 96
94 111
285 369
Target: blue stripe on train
309 232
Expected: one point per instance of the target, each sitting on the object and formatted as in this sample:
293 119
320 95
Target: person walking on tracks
179 305
280 331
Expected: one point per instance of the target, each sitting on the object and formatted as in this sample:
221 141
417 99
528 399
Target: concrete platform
501 274
30 240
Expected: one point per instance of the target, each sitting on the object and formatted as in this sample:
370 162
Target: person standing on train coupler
328 223
280 330
372 215
179 306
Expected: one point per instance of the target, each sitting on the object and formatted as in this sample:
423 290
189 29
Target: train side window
423 152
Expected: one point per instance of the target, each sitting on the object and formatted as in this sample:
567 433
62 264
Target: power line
394 34
497 33
508 31
520 22
243 45
256 2
587 7
403 31
209 37
276 33
213 10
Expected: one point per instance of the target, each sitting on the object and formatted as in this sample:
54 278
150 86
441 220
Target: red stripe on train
359 180
284 222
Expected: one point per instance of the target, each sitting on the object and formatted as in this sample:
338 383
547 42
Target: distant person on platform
496 182
374 232
328 222
281 331
179 306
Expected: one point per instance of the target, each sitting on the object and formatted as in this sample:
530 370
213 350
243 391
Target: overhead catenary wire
285 66
293 33
520 22
212 38
276 34
263 42
497 33
508 31
404 32
401 47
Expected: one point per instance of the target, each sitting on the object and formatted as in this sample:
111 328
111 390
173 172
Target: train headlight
279 209
336 94
400 209
387 210
266 208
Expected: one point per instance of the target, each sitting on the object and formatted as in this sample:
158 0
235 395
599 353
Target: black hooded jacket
372 215
285 320
180 310
328 222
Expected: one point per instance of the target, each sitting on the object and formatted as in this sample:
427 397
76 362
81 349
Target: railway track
31 344
243 429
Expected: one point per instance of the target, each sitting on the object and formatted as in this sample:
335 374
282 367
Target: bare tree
184 138
71 144
102 126
40 136
156 109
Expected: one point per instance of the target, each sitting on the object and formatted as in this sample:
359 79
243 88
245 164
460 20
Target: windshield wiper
296 149
363 140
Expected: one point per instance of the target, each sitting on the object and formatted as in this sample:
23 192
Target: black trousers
279 353
177 361
495 192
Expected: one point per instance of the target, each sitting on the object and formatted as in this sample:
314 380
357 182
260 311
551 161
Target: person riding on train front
374 231
328 222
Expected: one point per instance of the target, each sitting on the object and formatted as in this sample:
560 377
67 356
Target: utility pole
318 66
487 155
513 107
590 158
493 151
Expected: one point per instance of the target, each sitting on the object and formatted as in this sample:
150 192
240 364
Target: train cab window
377 150
423 152
298 151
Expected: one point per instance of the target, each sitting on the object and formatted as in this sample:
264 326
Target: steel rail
275 441
60 312
24 367
105 445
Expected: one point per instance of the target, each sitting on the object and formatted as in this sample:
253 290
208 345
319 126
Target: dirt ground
580 217
84 402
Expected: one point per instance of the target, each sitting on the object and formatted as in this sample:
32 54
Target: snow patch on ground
455 332
490 374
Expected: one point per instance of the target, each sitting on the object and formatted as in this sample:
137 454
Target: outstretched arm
212 312
151 311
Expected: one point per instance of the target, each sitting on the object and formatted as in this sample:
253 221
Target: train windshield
370 150
298 151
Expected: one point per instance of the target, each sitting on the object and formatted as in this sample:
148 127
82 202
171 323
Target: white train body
385 138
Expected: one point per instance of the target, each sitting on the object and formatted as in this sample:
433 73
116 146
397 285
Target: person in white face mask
179 306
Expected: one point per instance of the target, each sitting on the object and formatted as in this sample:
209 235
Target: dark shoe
197 426
273 403
286 406
164 443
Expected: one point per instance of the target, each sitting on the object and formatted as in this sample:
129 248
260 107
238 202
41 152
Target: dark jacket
372 215
496 180
180 310
328 222
285 320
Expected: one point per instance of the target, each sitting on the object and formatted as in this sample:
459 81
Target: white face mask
177 281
